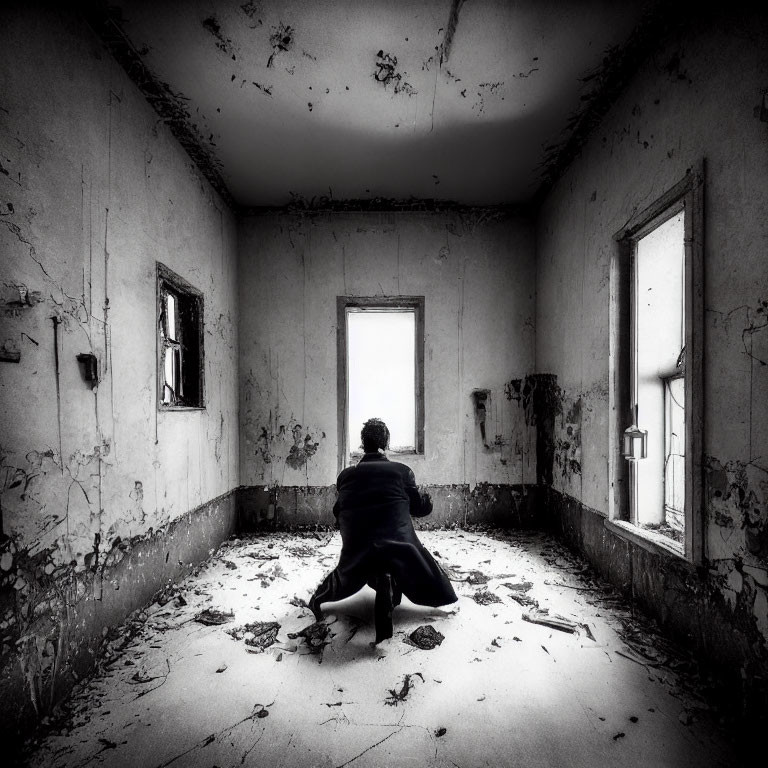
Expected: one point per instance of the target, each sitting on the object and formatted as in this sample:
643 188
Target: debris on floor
454 573
355 625
151 663
425 637
302 551
520 586
524 600
557 622
258 635
316 637
485 597
212 616
397 697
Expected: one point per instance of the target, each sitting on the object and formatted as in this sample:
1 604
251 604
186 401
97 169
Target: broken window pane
169 388
674 456
170 316
180 339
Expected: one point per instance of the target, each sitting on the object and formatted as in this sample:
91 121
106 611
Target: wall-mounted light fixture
480 398
89 367
635 443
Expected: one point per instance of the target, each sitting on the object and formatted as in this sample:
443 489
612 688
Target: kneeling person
376 499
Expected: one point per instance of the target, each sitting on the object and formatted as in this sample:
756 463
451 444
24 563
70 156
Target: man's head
374 435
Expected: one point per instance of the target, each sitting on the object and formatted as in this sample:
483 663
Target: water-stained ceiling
360 99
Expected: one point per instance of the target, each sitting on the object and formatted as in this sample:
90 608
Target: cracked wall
475 270
95 191
696 97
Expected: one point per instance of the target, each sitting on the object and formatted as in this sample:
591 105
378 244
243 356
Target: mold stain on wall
737 500
303 448
282 40
275 442
386 73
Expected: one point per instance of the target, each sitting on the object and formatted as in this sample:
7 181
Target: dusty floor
593 688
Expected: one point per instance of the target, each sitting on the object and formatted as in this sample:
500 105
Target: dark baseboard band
459 505
73 612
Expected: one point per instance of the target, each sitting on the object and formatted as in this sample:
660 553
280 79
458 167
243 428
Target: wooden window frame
189 341
392 303
687 196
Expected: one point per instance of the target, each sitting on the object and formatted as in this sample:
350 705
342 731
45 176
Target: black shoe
383 607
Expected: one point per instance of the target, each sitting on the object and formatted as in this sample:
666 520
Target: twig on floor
356 624
200 744
395 697
373 746
638 660
106 744
165 677
251 748
212 737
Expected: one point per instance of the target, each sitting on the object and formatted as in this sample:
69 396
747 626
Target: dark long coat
376 499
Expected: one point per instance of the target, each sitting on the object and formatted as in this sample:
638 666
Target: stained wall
476 272
94 192
701 96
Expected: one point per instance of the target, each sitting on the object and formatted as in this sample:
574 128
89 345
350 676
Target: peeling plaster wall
702 95
476 272
93 191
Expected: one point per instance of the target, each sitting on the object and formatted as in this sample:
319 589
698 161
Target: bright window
381 345
382 373
656 372
659 386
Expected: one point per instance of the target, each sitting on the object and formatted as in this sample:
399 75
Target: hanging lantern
635 444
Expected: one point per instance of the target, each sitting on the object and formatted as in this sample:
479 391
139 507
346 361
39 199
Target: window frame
686 196
391 303
189 301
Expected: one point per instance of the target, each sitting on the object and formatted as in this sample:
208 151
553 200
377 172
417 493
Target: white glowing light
382 374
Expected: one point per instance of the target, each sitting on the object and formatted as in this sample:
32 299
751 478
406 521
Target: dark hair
374 435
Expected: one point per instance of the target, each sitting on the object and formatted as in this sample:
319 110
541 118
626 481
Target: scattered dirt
484 597
425 637
520 586
303 551
396 697
213 616
259 635
316 636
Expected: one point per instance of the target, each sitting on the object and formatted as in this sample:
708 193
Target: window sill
165 408
650 541
391 455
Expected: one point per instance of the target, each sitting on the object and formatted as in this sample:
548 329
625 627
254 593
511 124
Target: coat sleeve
336 506
421 503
